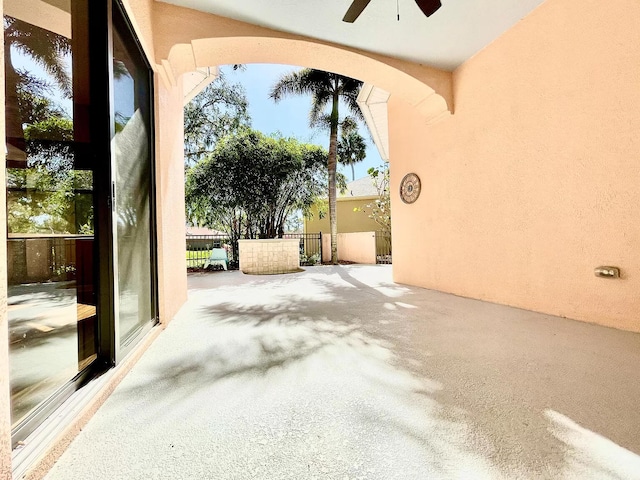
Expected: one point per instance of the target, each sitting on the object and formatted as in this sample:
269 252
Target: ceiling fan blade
355 10
429 7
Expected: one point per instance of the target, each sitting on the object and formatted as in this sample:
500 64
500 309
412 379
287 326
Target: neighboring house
349 205
203 231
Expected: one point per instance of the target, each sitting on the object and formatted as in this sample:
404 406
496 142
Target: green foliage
311 260
322 204
42 200
251 183
48 195
45 195
219 110
380 209
321 86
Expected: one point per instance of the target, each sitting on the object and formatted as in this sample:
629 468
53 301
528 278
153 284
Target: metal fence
310 247
383 247
199 249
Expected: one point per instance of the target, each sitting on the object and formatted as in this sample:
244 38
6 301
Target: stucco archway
187 39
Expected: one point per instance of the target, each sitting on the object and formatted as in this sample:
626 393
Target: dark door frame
110 351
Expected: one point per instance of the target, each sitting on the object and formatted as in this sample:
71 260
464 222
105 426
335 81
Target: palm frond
293 83
46 48
319 102
350 100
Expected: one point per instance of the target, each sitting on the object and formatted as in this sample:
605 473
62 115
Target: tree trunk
333 150
353 173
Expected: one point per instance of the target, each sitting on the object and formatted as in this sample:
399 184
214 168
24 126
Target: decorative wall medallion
410 188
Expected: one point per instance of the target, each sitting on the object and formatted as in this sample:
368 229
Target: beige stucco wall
358 247
269 256
348 219
172 274
530 185
141 15
536 178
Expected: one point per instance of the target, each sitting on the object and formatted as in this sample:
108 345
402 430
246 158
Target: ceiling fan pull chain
398 8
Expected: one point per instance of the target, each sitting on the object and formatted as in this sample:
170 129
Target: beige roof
362 187
202 231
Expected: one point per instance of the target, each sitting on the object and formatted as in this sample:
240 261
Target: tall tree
219 110
326 90
252 183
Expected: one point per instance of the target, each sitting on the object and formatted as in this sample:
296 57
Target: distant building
191 231
349 206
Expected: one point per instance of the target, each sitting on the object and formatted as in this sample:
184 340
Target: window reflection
50 213
133 183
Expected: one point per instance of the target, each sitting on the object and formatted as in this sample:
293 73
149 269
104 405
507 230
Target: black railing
310 247
383 247
199 248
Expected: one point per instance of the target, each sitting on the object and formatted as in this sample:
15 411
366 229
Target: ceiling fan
428 7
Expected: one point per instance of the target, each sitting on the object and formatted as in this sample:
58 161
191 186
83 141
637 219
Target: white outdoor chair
218 257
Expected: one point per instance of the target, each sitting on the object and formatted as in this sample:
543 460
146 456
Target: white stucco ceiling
445 40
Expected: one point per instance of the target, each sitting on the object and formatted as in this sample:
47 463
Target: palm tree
46 48
326 89
351 150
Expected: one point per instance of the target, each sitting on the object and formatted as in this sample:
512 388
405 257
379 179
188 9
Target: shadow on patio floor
339 373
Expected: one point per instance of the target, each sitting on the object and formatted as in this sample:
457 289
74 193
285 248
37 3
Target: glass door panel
132 184
50 205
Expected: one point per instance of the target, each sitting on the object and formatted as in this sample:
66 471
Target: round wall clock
410 188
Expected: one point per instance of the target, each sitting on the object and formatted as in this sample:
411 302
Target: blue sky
290 116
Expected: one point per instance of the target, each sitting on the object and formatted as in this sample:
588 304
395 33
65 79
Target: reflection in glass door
50 206
132 174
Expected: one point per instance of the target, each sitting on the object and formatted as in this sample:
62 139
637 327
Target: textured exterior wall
358 247
535 179
141 16
172 272
326 248
269 257
348 219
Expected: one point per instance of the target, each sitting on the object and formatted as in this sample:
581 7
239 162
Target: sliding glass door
80 211
132 186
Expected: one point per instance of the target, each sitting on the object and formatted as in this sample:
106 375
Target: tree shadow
466 381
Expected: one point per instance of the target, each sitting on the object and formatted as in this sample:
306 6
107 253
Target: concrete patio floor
338 373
